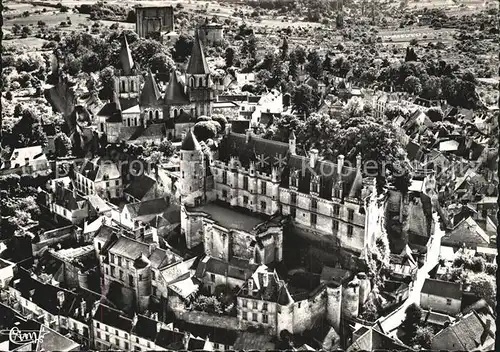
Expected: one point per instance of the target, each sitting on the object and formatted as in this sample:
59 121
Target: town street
392 321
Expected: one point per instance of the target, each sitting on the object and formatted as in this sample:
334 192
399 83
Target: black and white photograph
249 175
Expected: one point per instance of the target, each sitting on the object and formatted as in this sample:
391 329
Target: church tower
128 78
192 168
150 100
199 83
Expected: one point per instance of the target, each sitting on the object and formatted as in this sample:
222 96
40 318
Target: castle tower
192 168
150 100
199 82
364 289
142 286
128 78
350 299
176 102
334 305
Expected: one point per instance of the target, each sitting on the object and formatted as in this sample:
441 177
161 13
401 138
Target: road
392 321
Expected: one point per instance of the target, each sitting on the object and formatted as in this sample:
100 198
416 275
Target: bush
8 95
491 269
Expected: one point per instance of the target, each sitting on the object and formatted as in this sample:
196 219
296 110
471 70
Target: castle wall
151 19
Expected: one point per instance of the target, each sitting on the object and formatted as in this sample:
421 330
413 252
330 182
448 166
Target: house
111 328
25 161
145 211
435 319
12 318
6 273
395 291
99 176
403 265
54 341
369 339
65 202
441 296
220 339
473 332
214 272
251 341
467 232
141 188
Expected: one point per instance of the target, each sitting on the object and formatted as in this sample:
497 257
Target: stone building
154 21
211 33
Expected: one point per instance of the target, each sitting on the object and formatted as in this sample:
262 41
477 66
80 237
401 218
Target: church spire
126 57
175 91
150 94
197 62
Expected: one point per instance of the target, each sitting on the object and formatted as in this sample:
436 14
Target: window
349 230
113 271
119 261
335 225
121 275
264 306
224 194
149 345
224 177
200 82
254 305
245 183
153 274
117 182
336 193
212 277
140 276
130 280
112 258
136 340
99 246
126 346
265 319
245 303
216 345
116 333
245 200
244 316
263 205
336 209
293 213
263 187
300 303
98 334
294 198
314 204
107 338
117 342
107 184
351 214
254 316
313 219
154 290
448 301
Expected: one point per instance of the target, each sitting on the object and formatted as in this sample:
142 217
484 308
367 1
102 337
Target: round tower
334 304
350 299
191 168
364 288
143 283
83 279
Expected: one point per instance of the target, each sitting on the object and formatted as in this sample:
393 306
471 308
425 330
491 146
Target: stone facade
154 20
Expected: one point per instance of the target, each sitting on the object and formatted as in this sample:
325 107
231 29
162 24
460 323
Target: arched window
181 111
200 82
175 113
123 86
157 114
150 114
132 86
191 82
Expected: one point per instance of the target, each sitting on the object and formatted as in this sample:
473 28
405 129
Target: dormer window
337 191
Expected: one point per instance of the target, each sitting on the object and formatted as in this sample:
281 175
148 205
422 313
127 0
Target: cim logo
22 337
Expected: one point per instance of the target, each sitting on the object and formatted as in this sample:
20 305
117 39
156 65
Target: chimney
313 157
358 161
83 307
26 161
248 134
152 247
340 164
185 340
250 286
60 298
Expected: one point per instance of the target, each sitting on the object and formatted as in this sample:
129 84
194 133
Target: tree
183 47
411 321
107 76
300 54
221 120
431 87
167 148
249 47
229 57
314 65
204 130
143 50
412 85
305 100
484 286
90 62
423 336
435 114
293 69
161 63
284 49
62 144
327 63
410 55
